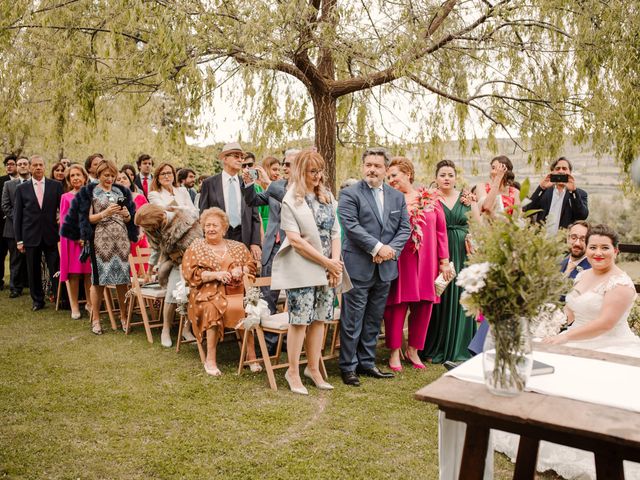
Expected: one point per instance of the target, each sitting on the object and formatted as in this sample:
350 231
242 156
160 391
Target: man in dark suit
560 203
375 221
143 179
274 236
36 228
10 165
17 260
224 191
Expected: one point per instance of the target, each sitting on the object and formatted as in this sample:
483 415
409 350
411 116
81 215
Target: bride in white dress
597 309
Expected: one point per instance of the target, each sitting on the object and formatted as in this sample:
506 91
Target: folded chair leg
180 327
267 360
109 305
243 352
145 317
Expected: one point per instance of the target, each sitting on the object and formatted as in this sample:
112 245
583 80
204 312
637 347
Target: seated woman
598 308
213 268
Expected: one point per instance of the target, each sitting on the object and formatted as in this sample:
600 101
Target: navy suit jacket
364 228
583 265
272 196
574 206
33 225
212 195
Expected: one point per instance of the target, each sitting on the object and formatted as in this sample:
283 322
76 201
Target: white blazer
180 198
290 269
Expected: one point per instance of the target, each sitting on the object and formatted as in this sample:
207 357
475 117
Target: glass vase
507 357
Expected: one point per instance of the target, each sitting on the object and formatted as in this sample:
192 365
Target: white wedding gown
569 462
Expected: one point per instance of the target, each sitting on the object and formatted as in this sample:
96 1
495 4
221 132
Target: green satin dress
450 330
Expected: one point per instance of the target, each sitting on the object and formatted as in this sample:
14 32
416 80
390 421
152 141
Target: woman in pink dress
139 200
71 268
424 257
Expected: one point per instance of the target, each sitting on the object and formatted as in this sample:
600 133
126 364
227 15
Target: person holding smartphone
559 201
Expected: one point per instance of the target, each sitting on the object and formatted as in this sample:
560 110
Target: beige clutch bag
441 284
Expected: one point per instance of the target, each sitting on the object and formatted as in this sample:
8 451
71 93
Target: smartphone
559 178
253 173
121 202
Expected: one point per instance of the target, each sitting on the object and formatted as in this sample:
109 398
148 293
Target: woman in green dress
450 330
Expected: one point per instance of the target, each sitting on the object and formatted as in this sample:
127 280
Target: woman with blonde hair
308 265
214 268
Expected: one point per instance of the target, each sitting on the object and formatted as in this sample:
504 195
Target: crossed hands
334 271
385 253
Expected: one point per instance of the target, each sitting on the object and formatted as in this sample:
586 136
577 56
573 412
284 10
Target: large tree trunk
324 106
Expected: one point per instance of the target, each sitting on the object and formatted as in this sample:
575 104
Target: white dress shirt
553 218
377 191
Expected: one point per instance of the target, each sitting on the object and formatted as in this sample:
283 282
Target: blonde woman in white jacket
308 265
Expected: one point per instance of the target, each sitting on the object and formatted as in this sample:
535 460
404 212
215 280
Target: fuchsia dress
142 238
70 250
414 288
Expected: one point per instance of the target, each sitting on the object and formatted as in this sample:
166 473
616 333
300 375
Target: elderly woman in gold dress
213 268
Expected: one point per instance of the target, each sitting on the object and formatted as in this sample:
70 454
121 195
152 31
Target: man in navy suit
375 221
224 191
560 204
10 165
36 228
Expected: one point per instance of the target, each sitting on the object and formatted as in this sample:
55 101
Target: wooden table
612 434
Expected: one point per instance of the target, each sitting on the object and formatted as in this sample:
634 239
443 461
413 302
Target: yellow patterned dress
213 304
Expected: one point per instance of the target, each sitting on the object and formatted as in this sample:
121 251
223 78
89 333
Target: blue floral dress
309 304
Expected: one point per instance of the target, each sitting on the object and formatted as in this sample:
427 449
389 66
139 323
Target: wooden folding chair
330 349
142 298
277 324
183 321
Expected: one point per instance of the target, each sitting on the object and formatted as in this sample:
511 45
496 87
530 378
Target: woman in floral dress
308 265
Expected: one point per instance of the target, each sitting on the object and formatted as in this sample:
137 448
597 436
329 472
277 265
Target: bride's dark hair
604 231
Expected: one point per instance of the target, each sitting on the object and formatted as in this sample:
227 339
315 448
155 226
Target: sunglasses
247 165
286 164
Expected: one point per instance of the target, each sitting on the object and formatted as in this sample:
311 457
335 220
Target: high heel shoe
300 391
96 329
395 369
76 315
255 367
165 339
321 385
417 366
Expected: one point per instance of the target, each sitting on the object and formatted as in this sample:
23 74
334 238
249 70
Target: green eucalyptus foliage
135 75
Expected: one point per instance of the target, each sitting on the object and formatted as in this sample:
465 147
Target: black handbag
86 251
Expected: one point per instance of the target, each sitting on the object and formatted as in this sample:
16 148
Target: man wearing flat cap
224 191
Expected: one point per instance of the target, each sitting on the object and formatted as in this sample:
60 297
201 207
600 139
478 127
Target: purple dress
70 249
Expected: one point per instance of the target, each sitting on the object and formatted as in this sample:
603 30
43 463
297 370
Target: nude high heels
299 391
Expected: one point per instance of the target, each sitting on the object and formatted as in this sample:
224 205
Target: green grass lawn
73 405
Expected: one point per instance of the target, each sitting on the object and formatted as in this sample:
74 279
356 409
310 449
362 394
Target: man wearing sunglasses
274 236
224 191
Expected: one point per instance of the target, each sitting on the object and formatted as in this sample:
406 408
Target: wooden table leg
474 454
527 457
608 467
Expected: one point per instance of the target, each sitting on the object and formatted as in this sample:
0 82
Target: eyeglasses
247 165
314 172
10 164
165 174
575 238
